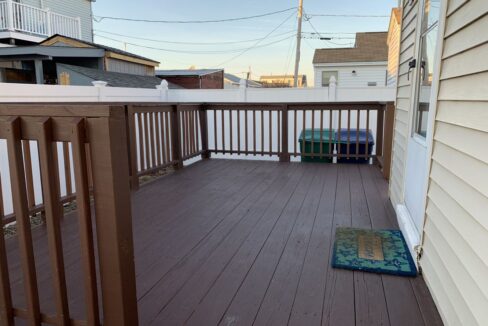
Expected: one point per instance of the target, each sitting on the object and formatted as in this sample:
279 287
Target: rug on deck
377 251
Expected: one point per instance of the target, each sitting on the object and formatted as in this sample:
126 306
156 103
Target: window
326 77
425 70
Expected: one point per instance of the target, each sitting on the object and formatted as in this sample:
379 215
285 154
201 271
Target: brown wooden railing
99 151
98 128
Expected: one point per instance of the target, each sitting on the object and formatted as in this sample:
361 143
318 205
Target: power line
257 43
349 15
193 52
99 19
188 43
318 33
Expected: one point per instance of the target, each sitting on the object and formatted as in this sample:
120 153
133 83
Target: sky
273 55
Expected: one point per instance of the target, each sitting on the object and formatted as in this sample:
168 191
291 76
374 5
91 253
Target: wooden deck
238 242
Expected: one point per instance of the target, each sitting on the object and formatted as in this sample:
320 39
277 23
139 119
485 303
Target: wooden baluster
158 138
348 132
285 155
67 169
295 139
238 131
254 132
358 114
278 130
321 133
331 151
270 132
379 134
113 219
303 132
215 131
6 312
21 210
204 132
262 131
85 222
223 132
54 212
231 131
190 132
246 131
28 173
163 140
313 132
151 136
183 129
141 141
134 178
367 135
168 138
176 139
340 134
146 140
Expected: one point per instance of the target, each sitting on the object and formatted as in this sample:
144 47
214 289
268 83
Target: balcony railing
35 21
104 151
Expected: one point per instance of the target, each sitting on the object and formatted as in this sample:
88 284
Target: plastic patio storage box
341 137
308 135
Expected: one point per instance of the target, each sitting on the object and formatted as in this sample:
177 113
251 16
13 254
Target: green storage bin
308 136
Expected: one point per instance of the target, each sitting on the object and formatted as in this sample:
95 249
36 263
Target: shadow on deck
237 242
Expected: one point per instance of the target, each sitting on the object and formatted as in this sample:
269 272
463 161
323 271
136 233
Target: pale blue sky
274 59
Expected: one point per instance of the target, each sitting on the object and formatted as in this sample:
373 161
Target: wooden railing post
204 132
389 120
176 138
131 135
284 153
110 168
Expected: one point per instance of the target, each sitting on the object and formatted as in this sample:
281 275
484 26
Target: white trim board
410 232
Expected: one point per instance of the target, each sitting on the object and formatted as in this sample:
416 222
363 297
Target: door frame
405 221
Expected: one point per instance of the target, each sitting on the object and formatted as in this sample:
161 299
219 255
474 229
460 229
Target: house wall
116 65
403 101
364 74
213 81
72 8
393 52
455 249
209 81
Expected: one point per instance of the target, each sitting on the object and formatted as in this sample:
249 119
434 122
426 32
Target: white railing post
48 22
10 15
163 90
100 85
243 90
78 21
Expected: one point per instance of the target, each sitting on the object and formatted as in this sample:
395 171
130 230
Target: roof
187 72
49 51
369 47
96 45
116 79
237 80
280 76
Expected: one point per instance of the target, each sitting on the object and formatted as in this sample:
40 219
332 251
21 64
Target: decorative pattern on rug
377 251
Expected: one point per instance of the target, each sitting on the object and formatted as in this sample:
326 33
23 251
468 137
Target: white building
364 65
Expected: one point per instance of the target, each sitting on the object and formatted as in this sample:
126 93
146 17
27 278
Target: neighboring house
364 65
37 63
194 78
282 81
31 21
439 176
83 76
232 81
393 43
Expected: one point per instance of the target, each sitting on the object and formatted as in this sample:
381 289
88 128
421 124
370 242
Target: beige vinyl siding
126 67
403 101
455 248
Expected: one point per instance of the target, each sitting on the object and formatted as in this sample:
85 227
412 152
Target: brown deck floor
236 242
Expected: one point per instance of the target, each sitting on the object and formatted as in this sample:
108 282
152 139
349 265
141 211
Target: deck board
242 242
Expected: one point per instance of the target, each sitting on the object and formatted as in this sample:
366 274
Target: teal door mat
376 251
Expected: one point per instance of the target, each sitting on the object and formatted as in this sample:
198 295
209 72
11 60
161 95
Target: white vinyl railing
20 17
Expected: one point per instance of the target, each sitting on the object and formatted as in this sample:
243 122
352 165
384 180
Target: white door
411 214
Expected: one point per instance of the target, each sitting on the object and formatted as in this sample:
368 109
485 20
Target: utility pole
299 42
